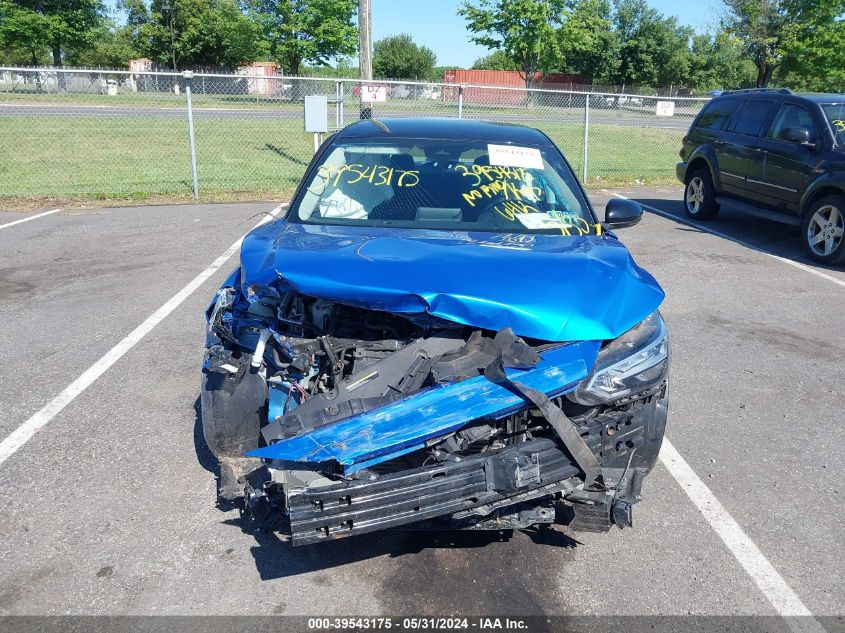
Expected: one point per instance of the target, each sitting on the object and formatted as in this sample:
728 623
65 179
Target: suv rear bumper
681 172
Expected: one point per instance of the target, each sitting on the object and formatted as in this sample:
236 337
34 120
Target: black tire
823 230
700 195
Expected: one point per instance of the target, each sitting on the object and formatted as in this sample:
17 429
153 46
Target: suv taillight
683 143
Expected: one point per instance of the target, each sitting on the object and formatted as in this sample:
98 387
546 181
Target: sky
434 23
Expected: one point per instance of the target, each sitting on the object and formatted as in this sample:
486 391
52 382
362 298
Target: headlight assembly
635 361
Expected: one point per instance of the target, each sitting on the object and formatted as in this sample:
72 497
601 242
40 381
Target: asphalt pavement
110 507
601 114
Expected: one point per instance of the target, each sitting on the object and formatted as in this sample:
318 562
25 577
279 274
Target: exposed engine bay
354 420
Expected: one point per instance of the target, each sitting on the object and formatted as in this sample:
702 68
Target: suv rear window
753 116
717 114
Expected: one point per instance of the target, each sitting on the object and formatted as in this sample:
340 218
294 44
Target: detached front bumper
510 488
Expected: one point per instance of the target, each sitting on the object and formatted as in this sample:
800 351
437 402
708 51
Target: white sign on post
665 108
316 113
372 93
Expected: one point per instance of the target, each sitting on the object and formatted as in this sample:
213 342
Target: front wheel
700 196
823 230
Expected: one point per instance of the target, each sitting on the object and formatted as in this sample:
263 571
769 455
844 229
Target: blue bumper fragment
401 427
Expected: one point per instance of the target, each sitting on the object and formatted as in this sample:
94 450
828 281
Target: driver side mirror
798 135
622 213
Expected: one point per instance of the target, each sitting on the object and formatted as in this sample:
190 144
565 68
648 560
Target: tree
523 29
587 44
803 37
764 28
205 33
398 57
306 31
719 61
653 50
812 60
55 25
24 34
497 60
113 47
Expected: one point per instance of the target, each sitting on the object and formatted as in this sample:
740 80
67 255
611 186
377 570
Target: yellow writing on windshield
480 173
354 173
510 208
571 222
567 222
505 188
839 124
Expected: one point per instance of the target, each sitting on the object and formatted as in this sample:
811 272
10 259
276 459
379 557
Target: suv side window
753 116
792 115
717 113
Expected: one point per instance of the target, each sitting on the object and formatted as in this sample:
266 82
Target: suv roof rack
782 91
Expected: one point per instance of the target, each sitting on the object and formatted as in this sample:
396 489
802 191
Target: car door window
791 115
753 116
717 114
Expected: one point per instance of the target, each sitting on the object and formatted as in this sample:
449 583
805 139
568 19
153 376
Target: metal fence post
341 104
188 75
338 106
586 136
461 101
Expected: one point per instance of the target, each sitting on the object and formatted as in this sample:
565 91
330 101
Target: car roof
822 97
816 97
444 128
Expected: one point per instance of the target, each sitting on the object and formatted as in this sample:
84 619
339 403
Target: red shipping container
507 78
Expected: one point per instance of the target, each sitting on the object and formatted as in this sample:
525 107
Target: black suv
772 153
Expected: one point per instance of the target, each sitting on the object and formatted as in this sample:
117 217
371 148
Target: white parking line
762 572
704 229
29 217
40 419
753 561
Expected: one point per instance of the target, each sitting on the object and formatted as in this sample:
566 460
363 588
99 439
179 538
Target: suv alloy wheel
823 230
700 196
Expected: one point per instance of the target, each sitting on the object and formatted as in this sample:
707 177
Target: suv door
779 178
741 139
708 129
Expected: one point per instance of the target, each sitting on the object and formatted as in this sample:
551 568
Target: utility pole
365 62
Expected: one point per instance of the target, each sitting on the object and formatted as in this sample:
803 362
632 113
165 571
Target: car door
742 153
710 129
779 178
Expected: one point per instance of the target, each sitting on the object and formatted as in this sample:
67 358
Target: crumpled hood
548 287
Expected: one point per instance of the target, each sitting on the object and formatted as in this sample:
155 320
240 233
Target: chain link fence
115 134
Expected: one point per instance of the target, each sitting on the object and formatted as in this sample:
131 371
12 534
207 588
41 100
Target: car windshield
835 113
441 184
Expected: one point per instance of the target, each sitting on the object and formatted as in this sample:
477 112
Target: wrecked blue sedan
440 333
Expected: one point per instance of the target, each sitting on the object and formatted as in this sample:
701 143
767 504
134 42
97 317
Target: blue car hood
548 287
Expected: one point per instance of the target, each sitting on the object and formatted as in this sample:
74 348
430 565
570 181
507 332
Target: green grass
147 99
620 155
147 158
133 157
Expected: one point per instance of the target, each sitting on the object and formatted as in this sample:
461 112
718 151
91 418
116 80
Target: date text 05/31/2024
417 624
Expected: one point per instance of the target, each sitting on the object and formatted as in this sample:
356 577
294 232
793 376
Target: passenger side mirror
621 213
799 135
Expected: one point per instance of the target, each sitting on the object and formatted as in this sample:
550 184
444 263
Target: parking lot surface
110 508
